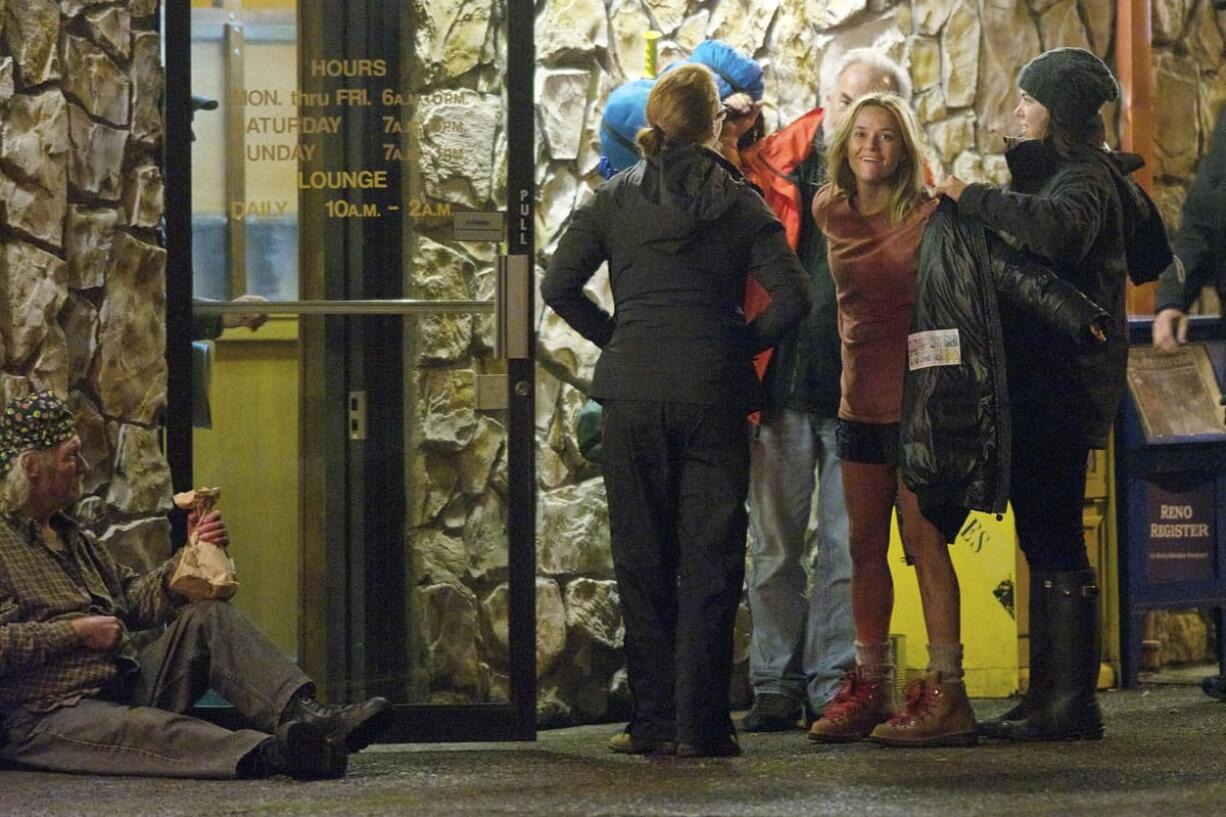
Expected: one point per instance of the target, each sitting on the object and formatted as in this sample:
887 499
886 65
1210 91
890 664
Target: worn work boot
627 744
357 725
1071 711
771 712
1038 691
936 714
858 706
300 750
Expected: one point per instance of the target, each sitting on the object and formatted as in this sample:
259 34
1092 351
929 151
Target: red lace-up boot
858 706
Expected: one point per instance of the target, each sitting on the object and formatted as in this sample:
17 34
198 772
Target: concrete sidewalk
1164 755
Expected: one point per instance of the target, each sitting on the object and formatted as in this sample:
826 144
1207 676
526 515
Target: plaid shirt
42 664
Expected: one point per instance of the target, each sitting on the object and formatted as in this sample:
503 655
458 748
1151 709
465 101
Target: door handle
513 298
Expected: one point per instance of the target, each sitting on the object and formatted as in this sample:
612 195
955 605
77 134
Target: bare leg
869 492
938 584
863 701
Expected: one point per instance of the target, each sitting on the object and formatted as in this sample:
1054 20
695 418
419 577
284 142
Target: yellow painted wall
251 452
983 556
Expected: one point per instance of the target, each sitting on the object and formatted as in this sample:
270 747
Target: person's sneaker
628 744
358 725
721 747
302 751
771 712
936 714
857 708
1215 686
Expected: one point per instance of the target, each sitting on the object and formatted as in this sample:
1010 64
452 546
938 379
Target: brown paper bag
205 571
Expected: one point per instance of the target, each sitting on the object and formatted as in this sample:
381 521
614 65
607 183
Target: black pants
677 476
1047 489
139 729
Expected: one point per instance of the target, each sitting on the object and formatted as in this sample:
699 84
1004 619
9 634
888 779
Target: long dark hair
1075 139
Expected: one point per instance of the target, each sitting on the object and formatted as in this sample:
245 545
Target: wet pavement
1164 754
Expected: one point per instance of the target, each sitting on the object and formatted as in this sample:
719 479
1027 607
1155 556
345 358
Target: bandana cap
34 422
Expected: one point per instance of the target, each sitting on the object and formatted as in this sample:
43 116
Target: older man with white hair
78 695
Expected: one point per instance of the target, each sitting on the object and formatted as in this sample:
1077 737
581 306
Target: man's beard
78 491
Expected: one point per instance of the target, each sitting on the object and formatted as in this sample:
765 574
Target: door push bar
512 304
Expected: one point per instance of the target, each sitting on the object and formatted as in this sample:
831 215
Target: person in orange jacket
802 642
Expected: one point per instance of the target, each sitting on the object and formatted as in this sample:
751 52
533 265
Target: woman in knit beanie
1072 204
1070 86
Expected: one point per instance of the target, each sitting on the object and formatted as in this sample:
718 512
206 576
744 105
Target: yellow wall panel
251 453
983 556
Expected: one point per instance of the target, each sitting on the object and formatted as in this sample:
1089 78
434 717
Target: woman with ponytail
681 231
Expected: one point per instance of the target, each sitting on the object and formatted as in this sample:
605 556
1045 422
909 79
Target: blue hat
625 113
734 72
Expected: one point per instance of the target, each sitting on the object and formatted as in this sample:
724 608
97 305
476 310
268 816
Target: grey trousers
138 727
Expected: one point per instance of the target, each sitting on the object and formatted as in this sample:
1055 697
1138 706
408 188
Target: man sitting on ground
75 693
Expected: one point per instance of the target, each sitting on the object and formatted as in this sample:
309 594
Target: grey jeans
802 642
140 729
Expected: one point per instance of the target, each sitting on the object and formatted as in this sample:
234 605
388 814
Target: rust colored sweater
873 263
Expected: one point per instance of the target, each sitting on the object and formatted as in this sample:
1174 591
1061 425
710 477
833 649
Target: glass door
365 171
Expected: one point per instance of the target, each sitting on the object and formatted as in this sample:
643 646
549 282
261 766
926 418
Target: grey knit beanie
1071 83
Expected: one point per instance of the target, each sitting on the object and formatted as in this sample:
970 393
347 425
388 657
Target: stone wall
1189 90
963 57
455 70
82 272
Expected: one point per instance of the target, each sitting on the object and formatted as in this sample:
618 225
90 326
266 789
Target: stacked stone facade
963 57
82 272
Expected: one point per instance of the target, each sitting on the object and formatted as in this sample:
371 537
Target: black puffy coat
1094 227
680 232
955 426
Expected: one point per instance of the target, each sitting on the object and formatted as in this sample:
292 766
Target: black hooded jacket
680 232
1094 227
955 429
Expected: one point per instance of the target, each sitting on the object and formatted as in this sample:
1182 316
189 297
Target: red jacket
769 163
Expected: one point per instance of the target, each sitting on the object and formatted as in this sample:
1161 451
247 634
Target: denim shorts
868 443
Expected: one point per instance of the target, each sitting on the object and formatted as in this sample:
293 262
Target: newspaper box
1171 477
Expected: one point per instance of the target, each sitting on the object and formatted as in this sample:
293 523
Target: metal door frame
516 719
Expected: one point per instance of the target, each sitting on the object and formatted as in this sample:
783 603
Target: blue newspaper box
1171 478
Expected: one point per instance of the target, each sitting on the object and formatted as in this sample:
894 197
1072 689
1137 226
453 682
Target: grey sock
873 661
946 661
